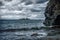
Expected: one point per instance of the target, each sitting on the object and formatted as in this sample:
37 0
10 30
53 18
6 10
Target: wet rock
53 38
39 35
56 27
53 33
35 34
52 13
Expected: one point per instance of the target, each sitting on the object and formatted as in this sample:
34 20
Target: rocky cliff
52 13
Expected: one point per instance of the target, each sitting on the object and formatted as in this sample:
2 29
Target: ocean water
15 26
21 30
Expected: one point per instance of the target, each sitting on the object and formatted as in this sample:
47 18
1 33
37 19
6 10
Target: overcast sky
17 9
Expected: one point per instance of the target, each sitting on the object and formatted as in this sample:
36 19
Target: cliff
52 13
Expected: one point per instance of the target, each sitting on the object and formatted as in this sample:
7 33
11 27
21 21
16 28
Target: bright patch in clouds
11 17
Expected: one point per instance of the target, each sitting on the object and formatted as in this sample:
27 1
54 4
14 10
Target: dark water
18 24
21 30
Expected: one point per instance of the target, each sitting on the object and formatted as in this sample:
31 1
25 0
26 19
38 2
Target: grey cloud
23 10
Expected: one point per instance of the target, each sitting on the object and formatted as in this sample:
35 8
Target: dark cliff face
52 13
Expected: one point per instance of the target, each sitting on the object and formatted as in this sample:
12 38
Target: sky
18 9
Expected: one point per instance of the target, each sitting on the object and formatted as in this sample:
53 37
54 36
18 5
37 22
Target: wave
24 29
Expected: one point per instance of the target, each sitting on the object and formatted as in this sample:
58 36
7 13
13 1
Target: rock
52 13
39 35
35 34
53 38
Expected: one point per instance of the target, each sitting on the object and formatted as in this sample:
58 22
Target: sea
22 29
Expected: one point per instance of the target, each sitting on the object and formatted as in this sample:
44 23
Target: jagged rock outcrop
52 13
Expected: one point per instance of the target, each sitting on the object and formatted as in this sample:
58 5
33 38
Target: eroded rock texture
52 13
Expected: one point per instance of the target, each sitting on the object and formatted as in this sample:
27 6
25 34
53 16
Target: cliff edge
52 13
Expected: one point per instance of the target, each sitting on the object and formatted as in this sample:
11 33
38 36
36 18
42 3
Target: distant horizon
22 19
